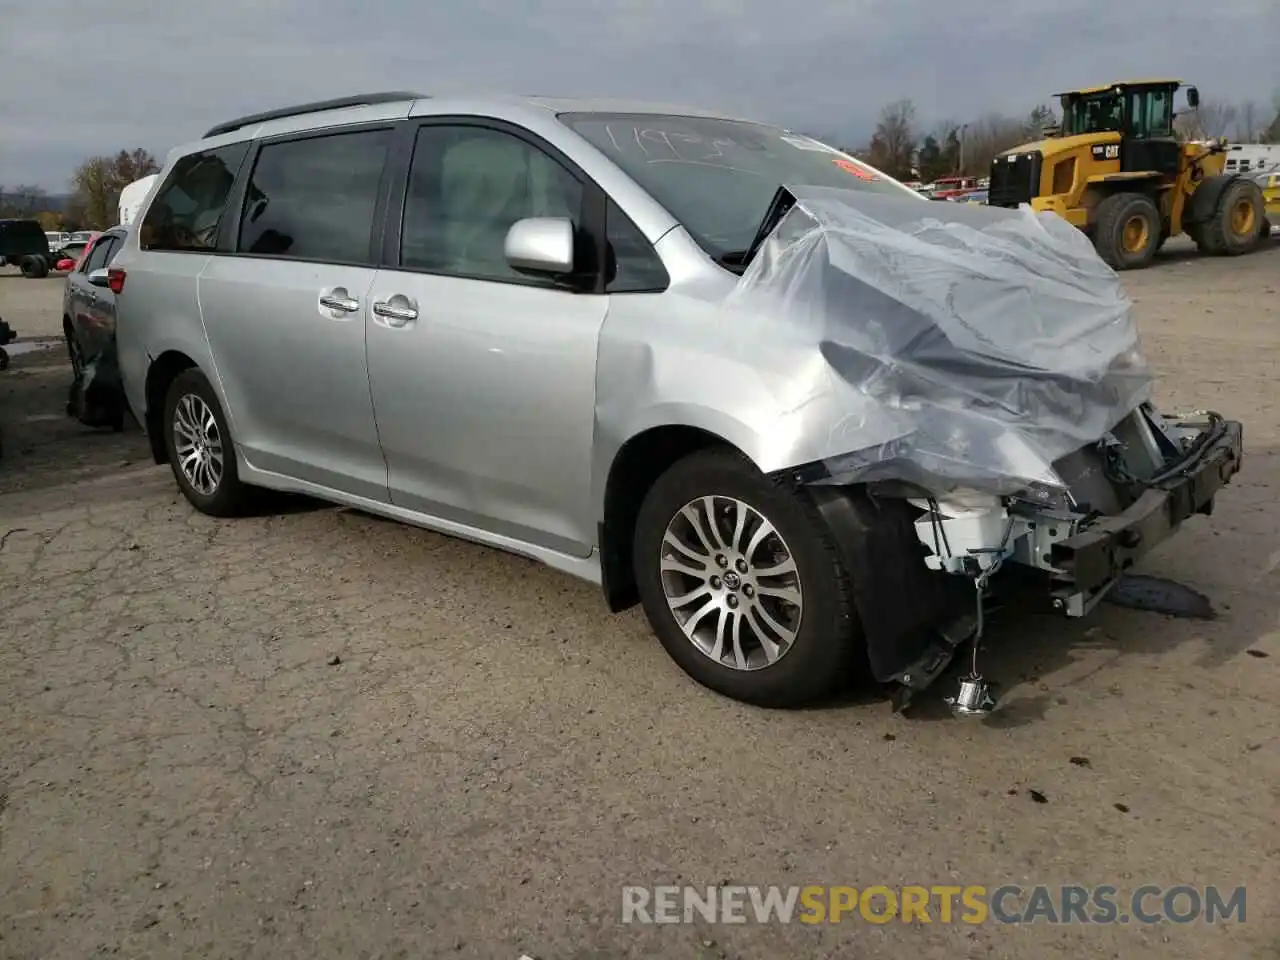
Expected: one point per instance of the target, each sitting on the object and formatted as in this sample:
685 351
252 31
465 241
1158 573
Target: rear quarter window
189 205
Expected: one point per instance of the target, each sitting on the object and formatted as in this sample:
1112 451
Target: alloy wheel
731 583
198 444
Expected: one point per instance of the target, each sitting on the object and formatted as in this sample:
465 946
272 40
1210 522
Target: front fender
1204 200
767 392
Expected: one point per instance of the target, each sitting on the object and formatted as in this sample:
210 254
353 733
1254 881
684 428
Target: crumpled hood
959 344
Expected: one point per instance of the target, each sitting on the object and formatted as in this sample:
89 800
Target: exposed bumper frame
1096 557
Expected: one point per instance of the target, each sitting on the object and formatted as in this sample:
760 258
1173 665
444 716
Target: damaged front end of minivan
962 391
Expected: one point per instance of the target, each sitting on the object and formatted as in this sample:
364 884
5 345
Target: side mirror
99 279
1193 97
541 245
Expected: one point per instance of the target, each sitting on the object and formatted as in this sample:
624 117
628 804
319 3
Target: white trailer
1252 157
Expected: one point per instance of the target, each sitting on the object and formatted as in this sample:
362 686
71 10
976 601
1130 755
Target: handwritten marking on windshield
662 146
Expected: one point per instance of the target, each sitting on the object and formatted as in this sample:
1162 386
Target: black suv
23 243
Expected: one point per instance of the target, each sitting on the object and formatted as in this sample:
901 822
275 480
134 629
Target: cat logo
1106 151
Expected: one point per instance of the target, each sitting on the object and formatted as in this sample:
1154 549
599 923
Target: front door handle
396 314
338 300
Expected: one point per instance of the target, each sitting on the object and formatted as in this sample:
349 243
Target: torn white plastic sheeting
956 346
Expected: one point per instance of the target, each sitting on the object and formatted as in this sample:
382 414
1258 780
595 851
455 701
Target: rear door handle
339 301
396 315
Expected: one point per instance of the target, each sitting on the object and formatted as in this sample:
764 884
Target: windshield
1096 113
718 177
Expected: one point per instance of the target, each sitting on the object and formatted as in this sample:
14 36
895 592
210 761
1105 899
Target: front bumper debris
1092 560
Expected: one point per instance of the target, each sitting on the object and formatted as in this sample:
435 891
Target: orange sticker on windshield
848 166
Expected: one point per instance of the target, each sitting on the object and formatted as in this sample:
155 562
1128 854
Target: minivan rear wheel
742 583
201 451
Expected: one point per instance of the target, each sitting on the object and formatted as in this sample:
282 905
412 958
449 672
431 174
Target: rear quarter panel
158 312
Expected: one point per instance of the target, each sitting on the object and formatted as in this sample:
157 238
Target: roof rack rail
360 100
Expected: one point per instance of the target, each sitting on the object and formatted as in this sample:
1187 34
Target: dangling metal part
973 698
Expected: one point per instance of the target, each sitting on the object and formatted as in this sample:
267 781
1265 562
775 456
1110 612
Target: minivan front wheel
201 451
742 583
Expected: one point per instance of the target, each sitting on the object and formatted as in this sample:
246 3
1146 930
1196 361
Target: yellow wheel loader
1117 170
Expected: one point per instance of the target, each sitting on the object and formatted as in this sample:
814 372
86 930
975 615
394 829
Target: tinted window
116 245
634 266
467 186
718 177
313 199
99 255
188 206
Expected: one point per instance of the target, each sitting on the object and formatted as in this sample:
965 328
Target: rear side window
313 199
188 207
100 255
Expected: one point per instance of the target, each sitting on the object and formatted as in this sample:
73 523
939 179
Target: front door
285 313
483 379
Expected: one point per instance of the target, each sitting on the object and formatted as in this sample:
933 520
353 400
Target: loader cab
1142 113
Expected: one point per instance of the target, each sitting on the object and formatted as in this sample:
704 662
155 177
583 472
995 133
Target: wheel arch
1105 186
637 465
1203 202
160 375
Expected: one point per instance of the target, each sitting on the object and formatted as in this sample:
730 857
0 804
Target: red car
946 188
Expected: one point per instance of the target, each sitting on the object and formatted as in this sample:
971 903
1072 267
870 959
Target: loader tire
1127 231
1236 224
1264 235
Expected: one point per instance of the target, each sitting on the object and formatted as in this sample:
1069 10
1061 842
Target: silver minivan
715 366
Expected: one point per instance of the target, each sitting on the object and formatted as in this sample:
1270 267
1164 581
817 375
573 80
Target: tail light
115 279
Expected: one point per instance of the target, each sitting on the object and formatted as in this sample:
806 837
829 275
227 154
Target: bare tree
988 136
894 143
1213 119
99 180
1247 122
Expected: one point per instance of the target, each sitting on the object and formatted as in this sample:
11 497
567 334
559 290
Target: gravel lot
318 734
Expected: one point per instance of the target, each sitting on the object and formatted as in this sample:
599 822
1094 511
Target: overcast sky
78 78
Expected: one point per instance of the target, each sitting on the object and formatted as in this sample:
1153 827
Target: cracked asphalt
313 733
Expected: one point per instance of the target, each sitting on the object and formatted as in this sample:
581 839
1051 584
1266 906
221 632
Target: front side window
314 198
467 186
718 177
1094 113
633 265
188 206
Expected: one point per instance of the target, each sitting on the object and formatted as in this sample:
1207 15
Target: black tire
1225 235
1115 234
823 654
1264 235
229 497
34 267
